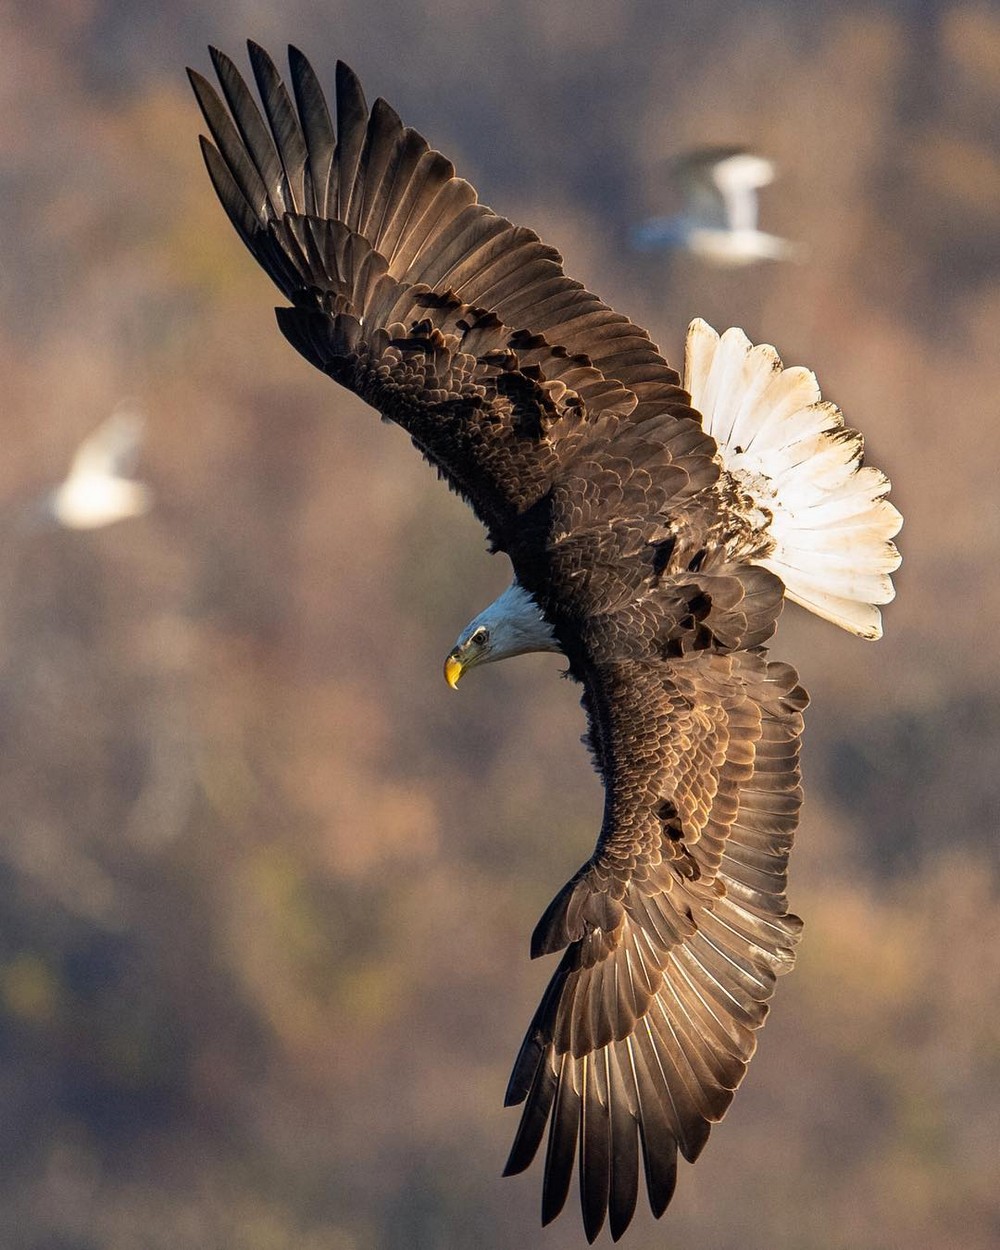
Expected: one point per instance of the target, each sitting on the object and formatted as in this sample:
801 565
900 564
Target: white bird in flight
98 489
719 221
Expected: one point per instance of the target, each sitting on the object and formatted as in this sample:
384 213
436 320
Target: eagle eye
480 637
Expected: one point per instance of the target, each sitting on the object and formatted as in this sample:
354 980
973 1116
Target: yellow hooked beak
452 670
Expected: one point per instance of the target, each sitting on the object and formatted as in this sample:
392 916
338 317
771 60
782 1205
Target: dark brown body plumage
567 432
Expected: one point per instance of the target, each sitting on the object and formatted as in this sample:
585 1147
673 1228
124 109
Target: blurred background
266 884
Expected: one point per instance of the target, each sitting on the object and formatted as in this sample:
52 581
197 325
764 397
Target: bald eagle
654 530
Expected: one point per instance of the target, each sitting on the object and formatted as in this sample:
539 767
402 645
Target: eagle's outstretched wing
569 434
676 928
443 315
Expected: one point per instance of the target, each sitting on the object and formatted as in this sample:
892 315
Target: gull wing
112 450
720 183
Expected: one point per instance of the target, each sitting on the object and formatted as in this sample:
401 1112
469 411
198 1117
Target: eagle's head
511 625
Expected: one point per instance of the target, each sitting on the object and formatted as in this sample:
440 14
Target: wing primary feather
284 123
317 129
257 139
539 1035
595 1148
352 120
624 1182
238 209
233 153
534 1117
656 1133
561 1148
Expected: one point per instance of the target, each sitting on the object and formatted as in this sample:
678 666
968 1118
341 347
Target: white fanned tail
790 452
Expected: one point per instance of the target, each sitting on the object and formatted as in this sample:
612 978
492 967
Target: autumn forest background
266 884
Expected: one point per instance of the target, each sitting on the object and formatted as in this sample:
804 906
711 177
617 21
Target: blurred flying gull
98 489
719 222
